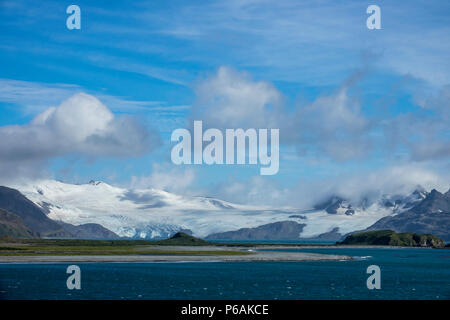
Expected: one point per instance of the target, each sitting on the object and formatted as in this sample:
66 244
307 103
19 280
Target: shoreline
251 257
334 246
258 253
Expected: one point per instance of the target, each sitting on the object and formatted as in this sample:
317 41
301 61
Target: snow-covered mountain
151 213
146 213
348 216
429 216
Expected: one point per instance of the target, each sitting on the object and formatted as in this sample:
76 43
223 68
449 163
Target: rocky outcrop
391 238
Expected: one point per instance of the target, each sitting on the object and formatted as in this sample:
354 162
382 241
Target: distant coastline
186 248
256 256
183 254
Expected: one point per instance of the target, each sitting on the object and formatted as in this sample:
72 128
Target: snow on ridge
152 213
141 213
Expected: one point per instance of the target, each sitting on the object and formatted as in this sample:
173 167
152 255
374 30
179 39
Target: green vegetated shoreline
72 247
391 238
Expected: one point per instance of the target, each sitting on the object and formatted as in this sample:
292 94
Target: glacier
156 214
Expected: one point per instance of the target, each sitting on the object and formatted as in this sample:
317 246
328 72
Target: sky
359 111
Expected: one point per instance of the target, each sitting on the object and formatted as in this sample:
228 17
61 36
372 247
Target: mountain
334 205
391 238
283 230
12 225
89 231
147 213
332 235
431 215
396 203
32 216
158 214
433 203
20 217
400 203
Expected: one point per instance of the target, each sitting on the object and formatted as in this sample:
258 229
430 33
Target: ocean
411 273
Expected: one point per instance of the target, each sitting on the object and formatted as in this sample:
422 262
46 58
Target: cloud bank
232 99
333 125
81 125
356 187
411 145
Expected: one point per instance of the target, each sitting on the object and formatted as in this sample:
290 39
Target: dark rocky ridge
22 218
431 216
33 217
333 235
89 231
283 230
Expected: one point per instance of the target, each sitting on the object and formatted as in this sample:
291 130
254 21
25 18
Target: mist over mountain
145 213
97 210
431 215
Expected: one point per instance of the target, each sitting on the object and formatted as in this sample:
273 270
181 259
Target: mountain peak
94 182
433 202
419 192
434 191
331 204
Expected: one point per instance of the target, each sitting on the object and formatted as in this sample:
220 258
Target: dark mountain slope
89 231
431 216
37 222
283 230
12 225
13 201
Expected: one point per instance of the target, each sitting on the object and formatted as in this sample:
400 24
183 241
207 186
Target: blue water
281 242
405 274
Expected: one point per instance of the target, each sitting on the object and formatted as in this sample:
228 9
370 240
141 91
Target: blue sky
351 102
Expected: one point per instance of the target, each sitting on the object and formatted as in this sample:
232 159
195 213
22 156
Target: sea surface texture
405 274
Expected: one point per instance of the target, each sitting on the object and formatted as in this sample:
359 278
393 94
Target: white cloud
358 186
423 134
256 190
332 125
231 99
80 125
397 179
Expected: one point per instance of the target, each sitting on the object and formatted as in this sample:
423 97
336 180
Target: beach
182 254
